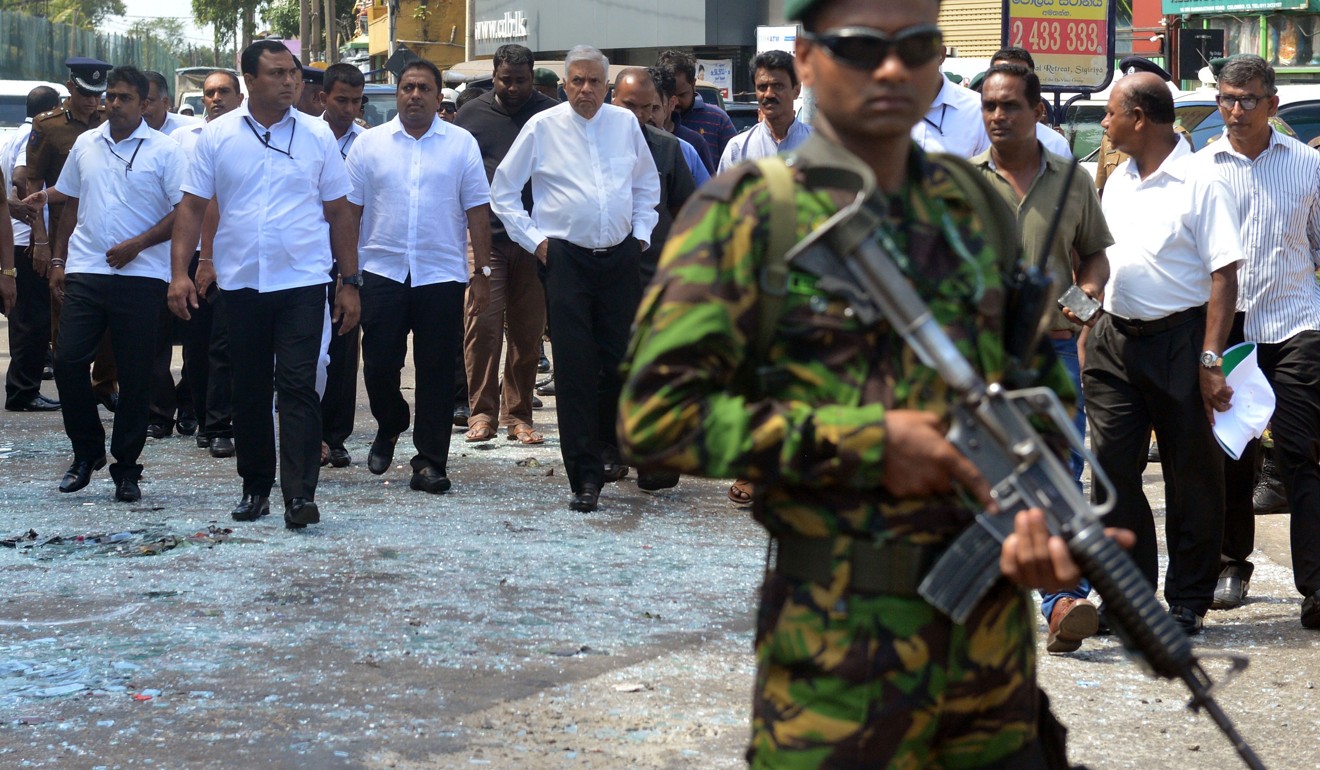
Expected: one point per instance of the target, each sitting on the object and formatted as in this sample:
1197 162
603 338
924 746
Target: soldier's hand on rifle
1033 558
920 462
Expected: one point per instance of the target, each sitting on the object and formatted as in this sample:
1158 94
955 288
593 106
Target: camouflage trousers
847 680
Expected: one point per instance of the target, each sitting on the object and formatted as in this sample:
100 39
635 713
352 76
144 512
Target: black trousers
167 397
29 332
1293 370
276 340
206 362
434 316
1132 383
128 308
592 299
339 404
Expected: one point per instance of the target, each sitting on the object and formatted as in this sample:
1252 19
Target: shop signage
512 27
718 72
1071 40
1181 7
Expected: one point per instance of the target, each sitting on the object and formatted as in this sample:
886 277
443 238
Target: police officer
53 135
840 429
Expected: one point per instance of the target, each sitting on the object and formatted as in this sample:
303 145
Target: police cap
1134 64
87 74
544 77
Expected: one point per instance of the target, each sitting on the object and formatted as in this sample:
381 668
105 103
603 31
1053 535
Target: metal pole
469 32
331 45
304 24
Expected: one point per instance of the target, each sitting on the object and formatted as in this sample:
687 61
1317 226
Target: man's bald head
1150 94
635 90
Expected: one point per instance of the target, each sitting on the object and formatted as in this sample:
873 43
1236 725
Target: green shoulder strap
783 235
999 223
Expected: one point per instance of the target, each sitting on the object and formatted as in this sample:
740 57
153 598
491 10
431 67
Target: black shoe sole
96 466
433 488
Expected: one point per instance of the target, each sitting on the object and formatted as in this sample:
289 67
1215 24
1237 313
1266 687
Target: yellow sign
1069 39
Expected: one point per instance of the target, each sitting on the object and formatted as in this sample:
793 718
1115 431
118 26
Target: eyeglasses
866 48
1248 103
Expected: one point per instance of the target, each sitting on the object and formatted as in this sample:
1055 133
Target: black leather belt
607 250
891 567
1149 328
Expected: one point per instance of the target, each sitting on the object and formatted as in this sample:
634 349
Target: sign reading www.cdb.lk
1069 39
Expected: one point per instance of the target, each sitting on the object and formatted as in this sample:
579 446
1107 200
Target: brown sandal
525 434
480 431
740 492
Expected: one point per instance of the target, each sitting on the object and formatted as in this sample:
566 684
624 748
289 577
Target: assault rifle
996 429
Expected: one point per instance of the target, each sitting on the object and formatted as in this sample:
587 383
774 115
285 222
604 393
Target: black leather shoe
543 364
546 389
299 512
1269 494
203 442
1153 454
428 479
615 472
47 372
1188 621
1311 611
127 490
651 481
187 424
251 508
382 453
109 401
339 457
159 430
222 446
536 403
1231 590
587 499
37 403
461 415
80 473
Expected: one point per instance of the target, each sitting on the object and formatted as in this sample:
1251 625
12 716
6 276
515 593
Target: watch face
1209 359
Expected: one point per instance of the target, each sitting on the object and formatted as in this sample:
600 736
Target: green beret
544 77
954 77
794 10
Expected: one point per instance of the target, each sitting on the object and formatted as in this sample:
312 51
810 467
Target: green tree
282 17
87 14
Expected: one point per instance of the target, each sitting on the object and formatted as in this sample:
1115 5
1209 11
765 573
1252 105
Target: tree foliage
87 14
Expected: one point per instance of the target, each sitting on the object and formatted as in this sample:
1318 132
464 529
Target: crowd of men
263 237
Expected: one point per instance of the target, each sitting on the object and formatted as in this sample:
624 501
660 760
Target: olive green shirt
1082 229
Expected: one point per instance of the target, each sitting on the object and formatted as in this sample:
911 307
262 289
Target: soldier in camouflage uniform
840 429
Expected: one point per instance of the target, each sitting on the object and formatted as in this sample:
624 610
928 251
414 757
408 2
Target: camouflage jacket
811 430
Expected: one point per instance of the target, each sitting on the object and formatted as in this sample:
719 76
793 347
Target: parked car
13 103
743 114
1299 113
381 103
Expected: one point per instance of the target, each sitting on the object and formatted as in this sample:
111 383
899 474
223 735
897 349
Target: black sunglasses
866 48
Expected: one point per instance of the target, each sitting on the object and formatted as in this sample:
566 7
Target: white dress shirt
1171 231
174 121
1278 200
15 155
345 142
953 124
415 195
757 142
123 189
593 181
271 185
1053 141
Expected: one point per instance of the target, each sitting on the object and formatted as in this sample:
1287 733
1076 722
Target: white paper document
1252 404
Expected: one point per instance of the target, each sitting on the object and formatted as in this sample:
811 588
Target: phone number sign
1072 41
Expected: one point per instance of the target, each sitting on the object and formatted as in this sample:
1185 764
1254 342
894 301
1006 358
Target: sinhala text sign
1071 40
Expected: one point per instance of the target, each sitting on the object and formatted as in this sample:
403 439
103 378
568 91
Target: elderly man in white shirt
281 188
779 130
1275 181
595 188
953 123
110 269
1170 295
419 186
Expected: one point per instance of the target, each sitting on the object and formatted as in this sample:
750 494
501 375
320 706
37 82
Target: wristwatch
485 270
351 280
12 272
1210 359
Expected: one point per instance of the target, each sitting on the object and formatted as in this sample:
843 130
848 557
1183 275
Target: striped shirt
1278 200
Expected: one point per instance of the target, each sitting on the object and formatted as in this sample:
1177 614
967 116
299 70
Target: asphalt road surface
487 627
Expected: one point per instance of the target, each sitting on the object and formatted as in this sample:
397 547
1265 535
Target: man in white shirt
206 341
1170 294
343 103
282 190
1275 182
779 130
595 189
110 271
953 123
419 187
29 319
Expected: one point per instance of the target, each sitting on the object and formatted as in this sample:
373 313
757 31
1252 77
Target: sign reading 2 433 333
1071 40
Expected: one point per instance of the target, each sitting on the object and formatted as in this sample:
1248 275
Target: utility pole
331 44
304 25
314 41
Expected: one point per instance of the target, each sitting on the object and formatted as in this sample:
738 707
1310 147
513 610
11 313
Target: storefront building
1283 32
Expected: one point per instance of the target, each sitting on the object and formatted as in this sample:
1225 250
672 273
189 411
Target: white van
13 103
